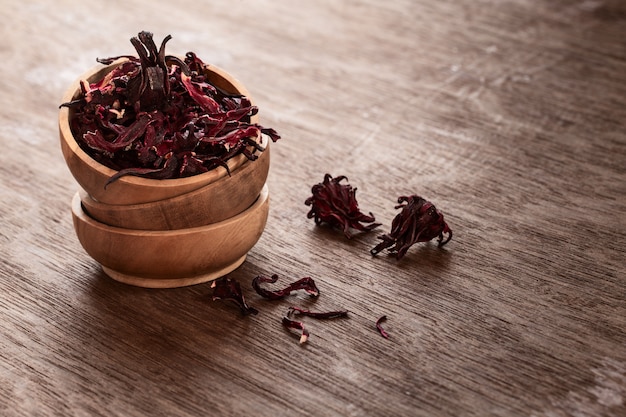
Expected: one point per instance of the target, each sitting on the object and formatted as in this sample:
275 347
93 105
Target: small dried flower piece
419 221
335 204
317 315
229 289
379 326
307 284
292 324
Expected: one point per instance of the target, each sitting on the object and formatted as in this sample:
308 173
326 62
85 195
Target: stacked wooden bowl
172 232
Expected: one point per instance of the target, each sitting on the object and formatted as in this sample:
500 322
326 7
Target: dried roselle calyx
290 323
419 221
379 327
335 204
307 284
317 314
229 289
298 325
158 116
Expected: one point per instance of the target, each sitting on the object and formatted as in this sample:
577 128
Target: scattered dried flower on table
307 284
316 314
298 325
157 116
419 221
379 326
229 289
294 324
335 204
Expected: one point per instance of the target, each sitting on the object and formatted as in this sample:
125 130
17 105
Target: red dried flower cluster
158 116
335 204
419 221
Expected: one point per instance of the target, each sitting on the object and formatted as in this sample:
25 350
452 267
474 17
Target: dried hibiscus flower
317 314
229 289
289 323
419 221
379 327
307 284
293 324
158 116
335 204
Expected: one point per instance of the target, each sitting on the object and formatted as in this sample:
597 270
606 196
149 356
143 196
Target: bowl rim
264 141
80 214
205 178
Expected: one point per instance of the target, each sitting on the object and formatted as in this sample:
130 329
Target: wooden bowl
212 203
92 175
174 258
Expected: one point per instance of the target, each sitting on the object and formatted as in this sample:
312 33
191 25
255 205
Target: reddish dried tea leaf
158 116
307 284
317 315
292 324
335 204
229 289
379 326
418 221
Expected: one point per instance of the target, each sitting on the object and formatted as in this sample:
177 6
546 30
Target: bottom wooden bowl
171 258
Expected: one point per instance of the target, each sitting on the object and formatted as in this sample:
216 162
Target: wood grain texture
508 115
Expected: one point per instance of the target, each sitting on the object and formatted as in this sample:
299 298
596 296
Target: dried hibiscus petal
379 326
335 204
292 324
419 221
316 314
229 289
307 284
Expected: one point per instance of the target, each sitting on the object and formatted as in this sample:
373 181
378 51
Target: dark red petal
196 93
292 324
317 315
229 289
170 166
382 331
307 284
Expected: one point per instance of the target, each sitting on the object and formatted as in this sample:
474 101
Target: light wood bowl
92 176
176 258
212 203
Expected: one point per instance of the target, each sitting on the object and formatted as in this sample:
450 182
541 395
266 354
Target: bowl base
148 282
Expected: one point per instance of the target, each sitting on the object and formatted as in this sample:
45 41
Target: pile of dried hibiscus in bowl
163 143
160 116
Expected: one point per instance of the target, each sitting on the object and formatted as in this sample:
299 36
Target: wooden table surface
510 116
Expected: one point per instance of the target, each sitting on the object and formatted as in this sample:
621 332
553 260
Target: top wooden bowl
92 175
